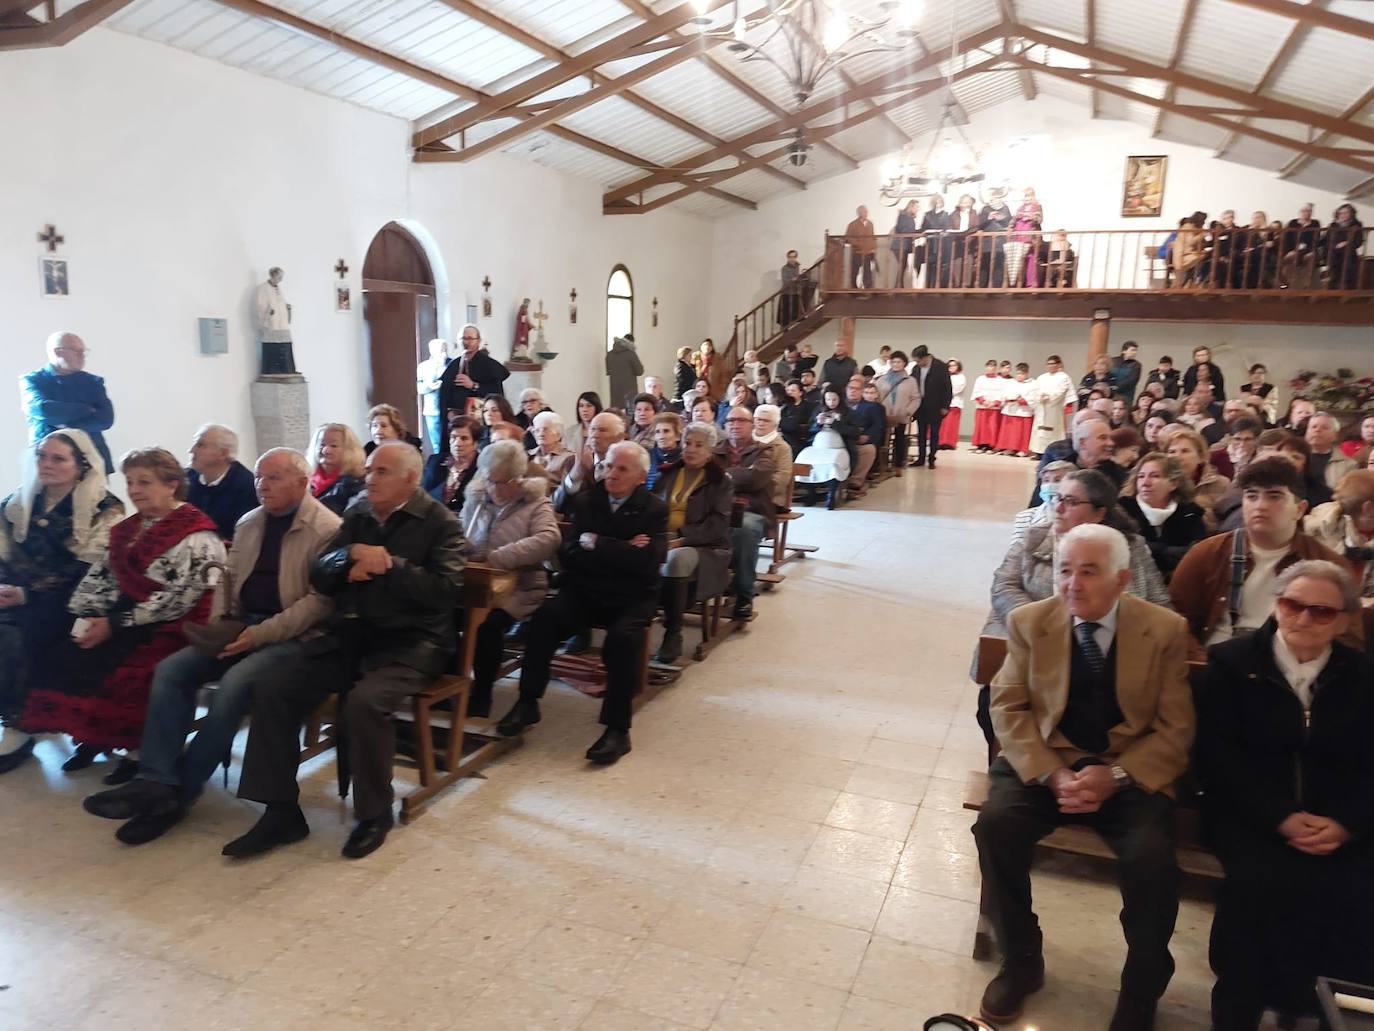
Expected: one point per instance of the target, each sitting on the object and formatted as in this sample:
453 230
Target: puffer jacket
707 526
521 536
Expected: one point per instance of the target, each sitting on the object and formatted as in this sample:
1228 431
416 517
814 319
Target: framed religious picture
486 306
1142 187
54 276
343 298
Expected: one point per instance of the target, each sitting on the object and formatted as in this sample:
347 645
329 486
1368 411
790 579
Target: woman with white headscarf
51 530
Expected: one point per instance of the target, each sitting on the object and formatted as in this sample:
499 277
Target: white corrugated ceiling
450 54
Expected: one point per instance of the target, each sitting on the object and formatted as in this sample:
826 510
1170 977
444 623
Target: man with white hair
653 386
394 571
429 378
589 466
766 420
1283 756
269 608
1095 717
217 483
1327 464
63 395
611 566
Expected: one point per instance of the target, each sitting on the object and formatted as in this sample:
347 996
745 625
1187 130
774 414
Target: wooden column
1098 332
847 333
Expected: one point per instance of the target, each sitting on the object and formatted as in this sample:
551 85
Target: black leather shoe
609 747
1005 996
932 463
670 650
126 771
1133 1014
744 610
132 799
83 757
368 836
917 463
524 713
150 826
479 708
17 758
282 825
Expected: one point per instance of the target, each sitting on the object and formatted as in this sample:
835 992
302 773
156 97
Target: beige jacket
302 607
1031 690
782 473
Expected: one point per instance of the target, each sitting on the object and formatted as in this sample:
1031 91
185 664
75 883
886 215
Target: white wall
538 234
178 181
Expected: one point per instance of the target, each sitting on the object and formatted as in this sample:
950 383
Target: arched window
620 305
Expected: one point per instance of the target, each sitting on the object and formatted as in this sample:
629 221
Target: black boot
1005 996
524 713
282 824
832 495
83 757
674 595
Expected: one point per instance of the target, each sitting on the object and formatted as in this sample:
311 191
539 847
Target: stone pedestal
523 375
281 412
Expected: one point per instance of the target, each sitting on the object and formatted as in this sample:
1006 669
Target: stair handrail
762 323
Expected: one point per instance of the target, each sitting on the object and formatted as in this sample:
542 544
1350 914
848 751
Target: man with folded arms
394 571
610 563
1095 717
1288 793
270 605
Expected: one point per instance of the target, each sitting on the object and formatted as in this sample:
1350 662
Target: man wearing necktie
1094 715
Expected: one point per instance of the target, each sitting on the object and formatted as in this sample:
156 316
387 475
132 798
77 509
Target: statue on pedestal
272 316
520 347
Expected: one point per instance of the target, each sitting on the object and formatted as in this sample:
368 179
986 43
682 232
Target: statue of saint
273 317
520 347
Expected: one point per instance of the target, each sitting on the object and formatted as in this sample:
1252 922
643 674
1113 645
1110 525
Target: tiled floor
784 849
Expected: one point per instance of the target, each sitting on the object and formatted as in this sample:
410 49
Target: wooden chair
782 551
1193 856
883 468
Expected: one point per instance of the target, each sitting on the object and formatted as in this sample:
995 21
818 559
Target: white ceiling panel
1056 15
1141 30
1190 130
1250 151
616 120
1328 175
1328 72
696 92
1232 43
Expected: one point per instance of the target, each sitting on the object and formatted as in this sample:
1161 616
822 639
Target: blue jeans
744 556
172 710
434 425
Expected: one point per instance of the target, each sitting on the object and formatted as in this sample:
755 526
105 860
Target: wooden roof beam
1302 160
1084 76
613 205
566 71
1282 56
1314 16
891 82
547 49
1185 26
1260 107
1090 26
724 71
59 31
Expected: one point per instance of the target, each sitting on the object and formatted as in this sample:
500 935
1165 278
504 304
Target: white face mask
1049 493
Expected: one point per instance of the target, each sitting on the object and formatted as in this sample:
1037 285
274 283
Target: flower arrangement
1336 392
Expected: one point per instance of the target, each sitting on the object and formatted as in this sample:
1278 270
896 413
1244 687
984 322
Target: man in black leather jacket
610 561
394 570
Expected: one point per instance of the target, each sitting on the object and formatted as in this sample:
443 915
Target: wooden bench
783 552
1193 856
464 753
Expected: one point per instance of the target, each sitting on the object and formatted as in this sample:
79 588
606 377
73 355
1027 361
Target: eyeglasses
740 418
1319 614
1064 501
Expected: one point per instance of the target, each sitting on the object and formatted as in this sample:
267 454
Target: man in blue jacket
62 395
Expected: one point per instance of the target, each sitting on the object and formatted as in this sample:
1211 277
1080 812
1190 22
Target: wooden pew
1193 856
465 753
783 552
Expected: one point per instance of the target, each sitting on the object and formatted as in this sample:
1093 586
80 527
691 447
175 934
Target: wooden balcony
1116 274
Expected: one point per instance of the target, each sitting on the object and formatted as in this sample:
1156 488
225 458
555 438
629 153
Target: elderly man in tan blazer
1095 718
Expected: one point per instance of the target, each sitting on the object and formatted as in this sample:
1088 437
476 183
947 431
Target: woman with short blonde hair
338 465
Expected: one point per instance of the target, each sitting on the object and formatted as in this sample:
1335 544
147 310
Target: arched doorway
400 315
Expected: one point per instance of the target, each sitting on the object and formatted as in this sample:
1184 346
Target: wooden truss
28 24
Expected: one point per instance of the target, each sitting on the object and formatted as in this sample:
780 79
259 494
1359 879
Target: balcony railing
1149 260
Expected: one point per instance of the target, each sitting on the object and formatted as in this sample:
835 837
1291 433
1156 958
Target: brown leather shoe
1005 996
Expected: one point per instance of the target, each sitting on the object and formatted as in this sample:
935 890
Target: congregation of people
1186 608
994 245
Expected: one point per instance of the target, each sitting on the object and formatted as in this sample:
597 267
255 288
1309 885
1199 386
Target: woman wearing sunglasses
1288 777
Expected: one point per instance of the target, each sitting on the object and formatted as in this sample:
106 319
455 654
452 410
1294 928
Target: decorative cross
572 295
539 317
486 282
50 236
341 268
655 312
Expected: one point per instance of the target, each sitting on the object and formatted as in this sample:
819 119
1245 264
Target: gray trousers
274 744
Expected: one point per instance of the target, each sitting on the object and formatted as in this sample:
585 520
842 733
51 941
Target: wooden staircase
760 329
